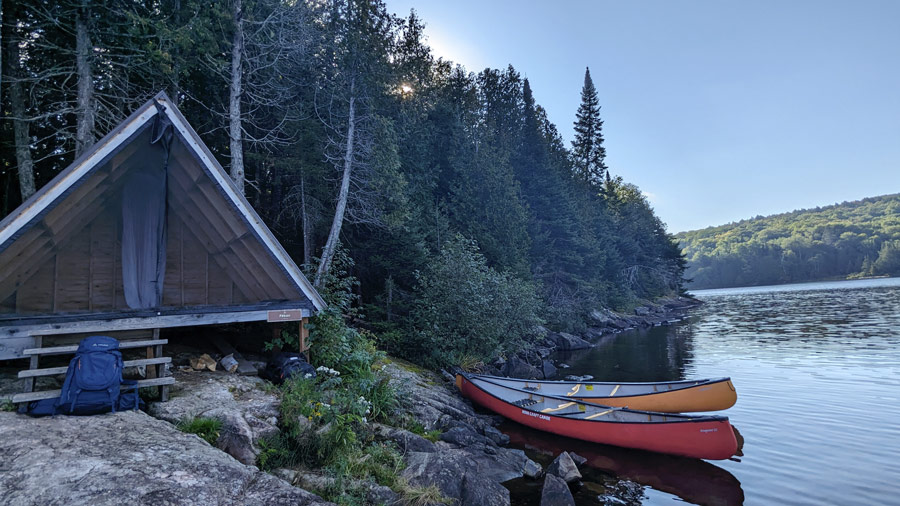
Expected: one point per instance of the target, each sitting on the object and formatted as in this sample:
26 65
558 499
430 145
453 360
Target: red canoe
701 437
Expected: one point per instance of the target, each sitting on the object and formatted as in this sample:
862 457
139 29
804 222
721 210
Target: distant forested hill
852 239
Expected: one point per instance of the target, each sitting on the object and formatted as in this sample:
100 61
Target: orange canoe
700 437
665 397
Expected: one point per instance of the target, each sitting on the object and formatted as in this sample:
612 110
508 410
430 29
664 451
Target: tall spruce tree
588 153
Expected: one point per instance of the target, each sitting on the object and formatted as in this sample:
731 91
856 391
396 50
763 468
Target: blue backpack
93 383
94 378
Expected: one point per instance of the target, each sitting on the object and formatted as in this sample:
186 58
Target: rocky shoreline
141 458
536 363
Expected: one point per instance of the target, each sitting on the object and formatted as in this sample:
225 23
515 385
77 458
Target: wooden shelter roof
59 249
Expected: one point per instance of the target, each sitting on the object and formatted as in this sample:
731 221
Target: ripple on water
817 368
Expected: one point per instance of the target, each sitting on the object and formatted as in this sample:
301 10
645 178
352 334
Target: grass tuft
207 428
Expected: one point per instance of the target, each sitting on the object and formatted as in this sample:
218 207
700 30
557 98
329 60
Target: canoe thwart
595 415
561 406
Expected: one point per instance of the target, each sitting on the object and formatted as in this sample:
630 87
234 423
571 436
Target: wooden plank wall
71 262
86 273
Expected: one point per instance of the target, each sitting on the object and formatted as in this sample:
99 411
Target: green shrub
465 310
207 428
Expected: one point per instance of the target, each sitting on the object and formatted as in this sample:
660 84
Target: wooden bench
155 362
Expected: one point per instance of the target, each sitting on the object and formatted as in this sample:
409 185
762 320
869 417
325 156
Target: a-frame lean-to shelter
144 231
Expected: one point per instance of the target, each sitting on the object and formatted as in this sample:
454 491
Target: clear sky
718 110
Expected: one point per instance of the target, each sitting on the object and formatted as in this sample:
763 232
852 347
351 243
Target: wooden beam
51 394
28 383
135 323
62 350
52 371
81 166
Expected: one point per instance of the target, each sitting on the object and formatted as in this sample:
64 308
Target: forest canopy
851 239
351 138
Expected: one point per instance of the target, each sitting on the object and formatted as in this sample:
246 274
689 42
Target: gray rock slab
456 476
247 410
428 398
126 458
406 440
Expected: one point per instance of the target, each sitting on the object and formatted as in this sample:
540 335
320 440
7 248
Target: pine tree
588 153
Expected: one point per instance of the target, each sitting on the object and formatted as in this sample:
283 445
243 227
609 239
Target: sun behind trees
353 136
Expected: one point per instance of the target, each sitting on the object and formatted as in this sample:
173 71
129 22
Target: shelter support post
159 370
28 383
304 335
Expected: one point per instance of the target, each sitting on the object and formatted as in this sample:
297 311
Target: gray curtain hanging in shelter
144 219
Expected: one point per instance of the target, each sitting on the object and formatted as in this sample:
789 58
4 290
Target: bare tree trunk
305 222
24 162
175 87
84 134
335 232
234 105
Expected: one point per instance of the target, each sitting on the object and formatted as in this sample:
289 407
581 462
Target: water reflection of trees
654 354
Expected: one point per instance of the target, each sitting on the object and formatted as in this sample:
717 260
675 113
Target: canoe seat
574 390
524 402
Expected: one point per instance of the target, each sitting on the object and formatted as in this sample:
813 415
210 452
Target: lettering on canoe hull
708 430
536 415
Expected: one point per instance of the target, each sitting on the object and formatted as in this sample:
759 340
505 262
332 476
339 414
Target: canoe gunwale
581 395
679 418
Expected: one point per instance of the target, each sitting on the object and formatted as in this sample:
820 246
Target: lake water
817 371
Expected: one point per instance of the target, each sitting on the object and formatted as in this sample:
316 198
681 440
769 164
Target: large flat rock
126 458
247 409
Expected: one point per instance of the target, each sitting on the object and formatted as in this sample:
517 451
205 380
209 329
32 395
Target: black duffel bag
287 365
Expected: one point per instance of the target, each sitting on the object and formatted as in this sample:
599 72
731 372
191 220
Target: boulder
518 368
555 492
568 342
593 333
577 459
564 467
247 411
533 470
600 317
549 369
642 311
621 324
126 458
